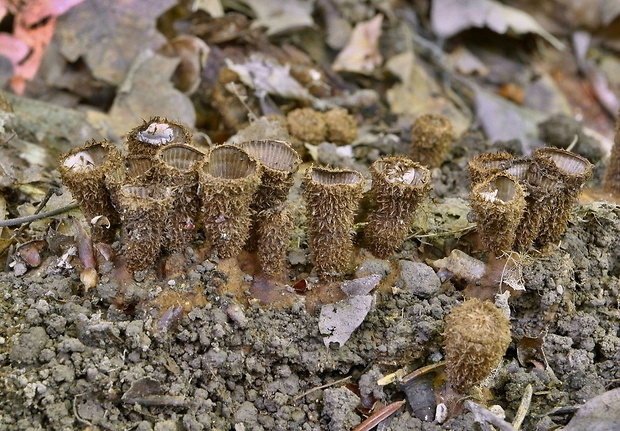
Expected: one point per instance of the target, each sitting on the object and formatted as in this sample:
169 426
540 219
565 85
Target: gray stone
373 266
419 278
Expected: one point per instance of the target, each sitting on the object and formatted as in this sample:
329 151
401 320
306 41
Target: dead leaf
338 321
148 92
281 17
449 17
361 55
34 23
212 7
601 413
419 93
109 34
503 120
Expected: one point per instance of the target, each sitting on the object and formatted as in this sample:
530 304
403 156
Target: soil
196 350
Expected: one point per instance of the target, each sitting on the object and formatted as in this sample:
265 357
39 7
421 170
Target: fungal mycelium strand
476 337
332 199
228 180
498 204
398 186
83 171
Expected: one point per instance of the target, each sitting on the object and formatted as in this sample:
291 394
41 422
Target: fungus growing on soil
332 199
83 171
431 137
498 204
483 166
177 168
398 186
156 133
476 337
341 126
228 181
566 173
143 214
274 230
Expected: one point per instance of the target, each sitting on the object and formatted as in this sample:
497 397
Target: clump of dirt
68 357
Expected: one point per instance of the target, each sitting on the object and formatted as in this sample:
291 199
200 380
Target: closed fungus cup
498 204
155 133
568 172
177 167
143 215
476 337
274 226
307 125
483 166
228 180
279 163
398 186
83 172
332 199
431 137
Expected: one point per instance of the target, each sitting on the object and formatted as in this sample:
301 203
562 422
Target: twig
523 408
309 391
485 417
40 216
379 416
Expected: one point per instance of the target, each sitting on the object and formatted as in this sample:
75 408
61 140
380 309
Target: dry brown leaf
34 23
361 55
449 17
148 92
280 17
109 34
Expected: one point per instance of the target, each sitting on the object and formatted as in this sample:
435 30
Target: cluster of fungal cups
164 189
525 203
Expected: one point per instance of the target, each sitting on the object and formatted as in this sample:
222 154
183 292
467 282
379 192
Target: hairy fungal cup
332 199
431 137
83 171
398 186
155 133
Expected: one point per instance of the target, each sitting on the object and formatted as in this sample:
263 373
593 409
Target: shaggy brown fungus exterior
398 186
228 180
476 337
83 171
482 166
177 167
332 199
341 126
153 134
498 204
431 137
274 229
568 172
143 214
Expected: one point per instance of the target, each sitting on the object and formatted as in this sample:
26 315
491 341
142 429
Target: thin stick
379 416
523 408
309 391
40 216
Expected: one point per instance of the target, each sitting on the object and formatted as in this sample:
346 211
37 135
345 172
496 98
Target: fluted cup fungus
498 204
228 180
431 137
332 199
83 172
398 186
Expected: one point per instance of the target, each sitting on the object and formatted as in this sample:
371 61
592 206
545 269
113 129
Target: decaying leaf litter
188 345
